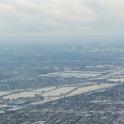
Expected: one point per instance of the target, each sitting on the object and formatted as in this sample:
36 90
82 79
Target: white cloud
6 8
114 7
69 10
61 15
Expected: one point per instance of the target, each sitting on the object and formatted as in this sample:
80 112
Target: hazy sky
67 18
